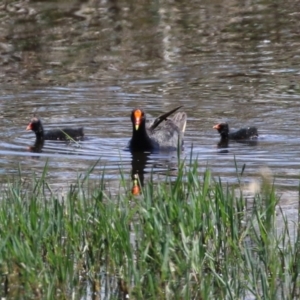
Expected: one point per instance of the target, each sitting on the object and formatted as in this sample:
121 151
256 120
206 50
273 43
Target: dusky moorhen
56 134
249 133
151 137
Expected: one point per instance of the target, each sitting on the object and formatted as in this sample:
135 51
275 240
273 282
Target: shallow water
80 65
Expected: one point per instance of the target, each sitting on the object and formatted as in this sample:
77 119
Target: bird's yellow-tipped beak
137 118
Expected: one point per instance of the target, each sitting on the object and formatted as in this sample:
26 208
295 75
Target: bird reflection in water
141 160
136 189
37 146
138 165
223 144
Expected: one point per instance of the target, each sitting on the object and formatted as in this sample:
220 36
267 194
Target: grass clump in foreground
193 238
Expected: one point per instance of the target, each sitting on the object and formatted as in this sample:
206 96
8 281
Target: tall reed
191 237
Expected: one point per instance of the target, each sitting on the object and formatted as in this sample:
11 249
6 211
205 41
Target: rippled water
234 63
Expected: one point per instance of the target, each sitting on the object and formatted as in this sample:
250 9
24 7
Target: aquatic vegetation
192 237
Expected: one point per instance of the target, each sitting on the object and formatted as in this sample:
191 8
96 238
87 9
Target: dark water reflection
88 64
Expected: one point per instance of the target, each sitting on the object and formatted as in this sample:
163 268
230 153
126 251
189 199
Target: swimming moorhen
151 137
57 134
249 133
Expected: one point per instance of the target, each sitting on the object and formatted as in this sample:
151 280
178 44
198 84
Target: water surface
84 65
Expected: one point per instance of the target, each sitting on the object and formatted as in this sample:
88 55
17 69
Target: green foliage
187 238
